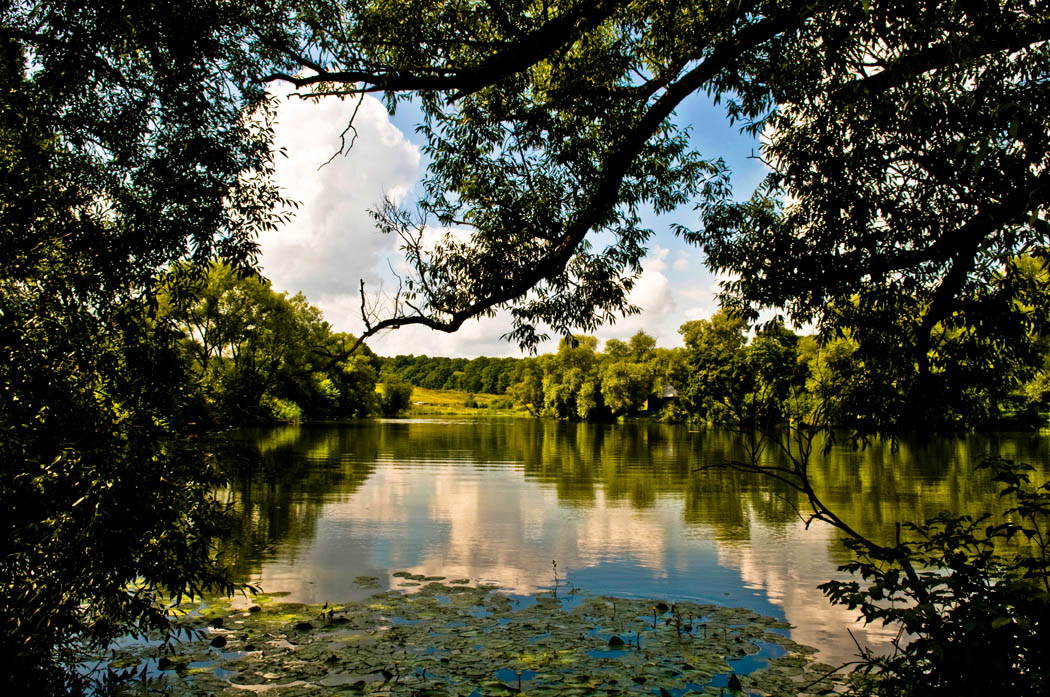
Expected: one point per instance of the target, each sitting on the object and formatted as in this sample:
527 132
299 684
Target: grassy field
452 402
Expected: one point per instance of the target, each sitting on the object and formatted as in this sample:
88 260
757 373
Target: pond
622 510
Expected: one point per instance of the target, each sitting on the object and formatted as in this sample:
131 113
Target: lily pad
367 581
453 639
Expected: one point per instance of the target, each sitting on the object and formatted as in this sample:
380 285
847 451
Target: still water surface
622 509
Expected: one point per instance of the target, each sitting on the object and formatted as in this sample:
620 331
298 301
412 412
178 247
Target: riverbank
439 638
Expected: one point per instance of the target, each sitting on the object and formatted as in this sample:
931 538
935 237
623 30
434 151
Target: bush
283 410
394 397
971 598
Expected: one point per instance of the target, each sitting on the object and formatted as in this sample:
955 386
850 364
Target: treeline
254 355
488 375
725 374
579 382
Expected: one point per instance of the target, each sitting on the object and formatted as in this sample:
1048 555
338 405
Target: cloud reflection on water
620 508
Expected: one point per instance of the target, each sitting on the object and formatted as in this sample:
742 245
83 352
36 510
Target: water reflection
622 509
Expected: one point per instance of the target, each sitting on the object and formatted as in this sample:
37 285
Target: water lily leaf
367 581
497 688
454 640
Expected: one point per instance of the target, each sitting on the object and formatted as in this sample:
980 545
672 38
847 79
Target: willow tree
131 136
907 147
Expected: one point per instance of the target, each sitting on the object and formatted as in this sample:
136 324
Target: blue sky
330 243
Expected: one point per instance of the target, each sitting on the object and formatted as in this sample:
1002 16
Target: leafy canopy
130 138
907 144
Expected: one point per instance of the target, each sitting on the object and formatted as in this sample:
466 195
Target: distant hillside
478 375
446 402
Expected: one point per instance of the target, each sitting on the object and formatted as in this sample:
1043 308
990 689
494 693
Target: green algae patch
455 640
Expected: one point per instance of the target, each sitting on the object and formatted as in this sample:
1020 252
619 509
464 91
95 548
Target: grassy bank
460 403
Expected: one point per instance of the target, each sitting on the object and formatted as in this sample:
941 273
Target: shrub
970 596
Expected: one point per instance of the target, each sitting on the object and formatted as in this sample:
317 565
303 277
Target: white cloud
331 243
682 261
656 260
652 293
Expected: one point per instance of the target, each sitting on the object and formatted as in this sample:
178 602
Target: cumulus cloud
701 299
682 261
652 293
656 260
331 243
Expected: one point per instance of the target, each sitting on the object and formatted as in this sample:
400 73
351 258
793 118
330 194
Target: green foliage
580 383
721 377
527 389
482 374
354 381
626 386
394 396
260 356
92 414
281 409
570 380
130 138
970 596
747 385
716 348
899 200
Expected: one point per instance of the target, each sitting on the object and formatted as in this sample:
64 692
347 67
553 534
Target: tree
626 373
916 175
717 367
626 386
394 396
571 385
130 139
907 148
354 380
642 346
527 387
260 355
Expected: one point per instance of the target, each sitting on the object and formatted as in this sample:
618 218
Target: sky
331 244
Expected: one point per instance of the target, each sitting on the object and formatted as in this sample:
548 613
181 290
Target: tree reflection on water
620 507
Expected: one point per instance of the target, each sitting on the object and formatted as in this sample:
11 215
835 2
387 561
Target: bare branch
343 148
